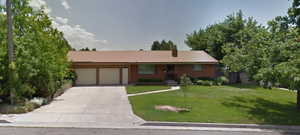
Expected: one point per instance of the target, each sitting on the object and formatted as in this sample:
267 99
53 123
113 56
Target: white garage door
86 76
109 76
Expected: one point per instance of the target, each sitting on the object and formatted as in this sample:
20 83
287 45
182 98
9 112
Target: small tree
163 45
185 82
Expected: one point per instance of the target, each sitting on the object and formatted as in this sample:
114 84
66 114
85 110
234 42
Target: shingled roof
140 57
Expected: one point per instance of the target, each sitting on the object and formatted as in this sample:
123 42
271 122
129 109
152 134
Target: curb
222 125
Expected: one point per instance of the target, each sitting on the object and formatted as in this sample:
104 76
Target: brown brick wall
209 70
134 75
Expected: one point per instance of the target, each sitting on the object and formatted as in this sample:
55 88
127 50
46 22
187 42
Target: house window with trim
197 67
146 69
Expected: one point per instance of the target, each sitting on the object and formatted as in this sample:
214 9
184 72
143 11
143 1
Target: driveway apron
86 106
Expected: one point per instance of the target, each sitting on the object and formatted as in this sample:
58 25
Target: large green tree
270 56
233 30
163 45
41 62
294 13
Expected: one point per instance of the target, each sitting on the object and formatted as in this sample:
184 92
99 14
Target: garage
101 76
86 76
109 76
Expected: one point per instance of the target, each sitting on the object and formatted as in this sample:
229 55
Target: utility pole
10 47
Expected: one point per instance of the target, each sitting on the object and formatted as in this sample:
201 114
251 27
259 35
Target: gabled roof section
140 57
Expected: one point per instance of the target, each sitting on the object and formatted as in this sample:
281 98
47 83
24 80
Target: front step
171 82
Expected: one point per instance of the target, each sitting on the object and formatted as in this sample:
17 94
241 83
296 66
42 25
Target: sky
135 24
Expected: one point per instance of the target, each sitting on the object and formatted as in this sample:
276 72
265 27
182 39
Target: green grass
222 104
145 88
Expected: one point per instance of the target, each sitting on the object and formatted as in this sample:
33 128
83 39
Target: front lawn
145 88
222 104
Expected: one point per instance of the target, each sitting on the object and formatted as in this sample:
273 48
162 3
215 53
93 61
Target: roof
140 57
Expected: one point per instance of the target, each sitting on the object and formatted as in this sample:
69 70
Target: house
128 67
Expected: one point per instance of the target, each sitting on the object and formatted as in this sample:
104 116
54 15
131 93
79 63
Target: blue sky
135 24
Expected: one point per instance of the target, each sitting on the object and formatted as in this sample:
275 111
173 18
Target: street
107 131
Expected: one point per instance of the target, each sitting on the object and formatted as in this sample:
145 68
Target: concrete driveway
85 107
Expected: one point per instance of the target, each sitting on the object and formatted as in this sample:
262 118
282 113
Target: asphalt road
99 131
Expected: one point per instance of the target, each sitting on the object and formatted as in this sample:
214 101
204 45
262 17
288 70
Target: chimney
174 51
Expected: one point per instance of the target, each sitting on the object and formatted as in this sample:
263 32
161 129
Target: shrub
30 106
149 80
205 82
195 79
71 75
221 80
185 80
38 101
18 108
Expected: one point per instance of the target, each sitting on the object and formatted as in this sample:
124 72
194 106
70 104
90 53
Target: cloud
61 20
77 36
39 4
65 4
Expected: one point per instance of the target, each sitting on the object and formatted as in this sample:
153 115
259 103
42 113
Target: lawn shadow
266 111
242 86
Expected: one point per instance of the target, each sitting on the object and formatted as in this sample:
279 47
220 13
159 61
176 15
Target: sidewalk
173 88
221 125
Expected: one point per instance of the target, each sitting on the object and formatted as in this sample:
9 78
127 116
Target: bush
205 82
30 106
38 101
185 80
221 80
71 75
149 80
195 79
18 108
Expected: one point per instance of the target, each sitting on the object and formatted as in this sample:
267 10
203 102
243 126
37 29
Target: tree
41 63
185 83
10 50
87 49
213 38
155 45
163 45
248 55
198 40
294 14
270 57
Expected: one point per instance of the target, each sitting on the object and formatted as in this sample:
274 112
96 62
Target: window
197 67
146 69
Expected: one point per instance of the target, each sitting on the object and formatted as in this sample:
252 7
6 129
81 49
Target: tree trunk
298 99
10 47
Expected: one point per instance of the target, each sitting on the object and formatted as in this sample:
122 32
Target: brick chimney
174 51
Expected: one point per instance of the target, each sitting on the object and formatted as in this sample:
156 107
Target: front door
170 72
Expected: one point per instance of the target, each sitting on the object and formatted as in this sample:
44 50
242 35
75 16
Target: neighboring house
128 67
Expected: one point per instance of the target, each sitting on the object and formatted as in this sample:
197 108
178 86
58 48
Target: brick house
130 67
